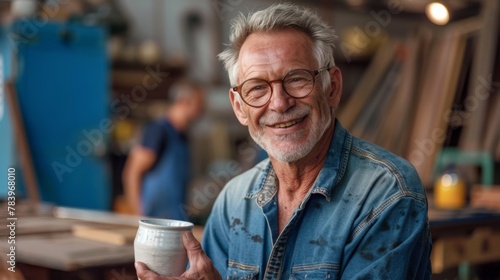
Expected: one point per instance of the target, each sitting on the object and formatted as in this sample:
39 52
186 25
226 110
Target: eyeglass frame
313 73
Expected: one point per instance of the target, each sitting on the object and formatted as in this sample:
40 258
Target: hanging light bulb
437 13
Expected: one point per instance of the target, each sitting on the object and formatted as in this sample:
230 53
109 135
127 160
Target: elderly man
326 205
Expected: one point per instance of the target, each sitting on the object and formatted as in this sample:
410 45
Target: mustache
294 113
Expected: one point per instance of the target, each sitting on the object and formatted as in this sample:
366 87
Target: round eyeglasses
297 83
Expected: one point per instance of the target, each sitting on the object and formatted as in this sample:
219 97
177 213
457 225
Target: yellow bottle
450 191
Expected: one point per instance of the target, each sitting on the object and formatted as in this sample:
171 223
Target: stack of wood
485 197
422 93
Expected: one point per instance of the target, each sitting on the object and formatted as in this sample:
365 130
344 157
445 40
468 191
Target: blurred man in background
156 174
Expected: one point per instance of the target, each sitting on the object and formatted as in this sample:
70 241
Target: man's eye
296 80
258 88
255 88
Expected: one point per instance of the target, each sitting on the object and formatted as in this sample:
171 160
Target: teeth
287 124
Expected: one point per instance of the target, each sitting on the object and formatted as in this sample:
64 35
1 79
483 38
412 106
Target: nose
280 101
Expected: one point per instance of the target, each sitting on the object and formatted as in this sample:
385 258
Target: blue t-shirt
164 185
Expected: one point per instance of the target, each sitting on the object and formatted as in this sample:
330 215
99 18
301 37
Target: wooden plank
492 132
394 132
111 234
367 123
435 97
480 79
117 235
481 247
466 26
371 78
39 224
22 145
96 216
66 252
485 197
446 99
447 253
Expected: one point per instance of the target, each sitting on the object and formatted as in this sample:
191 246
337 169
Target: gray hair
278 17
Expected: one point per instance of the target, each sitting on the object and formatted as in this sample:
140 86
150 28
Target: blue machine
62 86
6 134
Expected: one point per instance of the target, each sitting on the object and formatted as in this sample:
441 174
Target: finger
143 271
193 247
200 263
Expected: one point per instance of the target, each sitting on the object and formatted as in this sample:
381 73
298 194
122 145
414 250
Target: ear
336 87
188 105
237 105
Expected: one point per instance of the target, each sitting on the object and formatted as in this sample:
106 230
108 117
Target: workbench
464 238
47 247
52 244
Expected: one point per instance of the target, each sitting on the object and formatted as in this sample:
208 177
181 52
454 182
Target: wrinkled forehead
284 49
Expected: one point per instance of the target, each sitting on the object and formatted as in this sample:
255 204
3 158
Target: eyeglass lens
297 83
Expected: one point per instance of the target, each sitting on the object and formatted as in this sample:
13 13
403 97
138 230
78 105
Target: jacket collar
331 173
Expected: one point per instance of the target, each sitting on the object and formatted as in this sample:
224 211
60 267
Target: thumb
193 247
201 266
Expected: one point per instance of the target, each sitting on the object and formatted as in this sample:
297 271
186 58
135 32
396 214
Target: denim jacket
365 217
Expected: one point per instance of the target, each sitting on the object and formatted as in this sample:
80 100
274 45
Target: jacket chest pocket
315 271
240 271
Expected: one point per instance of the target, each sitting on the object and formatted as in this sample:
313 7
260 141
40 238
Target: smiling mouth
288 124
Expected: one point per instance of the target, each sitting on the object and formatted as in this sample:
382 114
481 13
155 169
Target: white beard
294 151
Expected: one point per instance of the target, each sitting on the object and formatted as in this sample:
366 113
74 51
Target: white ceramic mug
158 244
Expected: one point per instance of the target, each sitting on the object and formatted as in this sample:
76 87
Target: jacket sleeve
215 241
392 242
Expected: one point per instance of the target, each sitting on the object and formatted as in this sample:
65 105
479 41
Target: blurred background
79 65
80 78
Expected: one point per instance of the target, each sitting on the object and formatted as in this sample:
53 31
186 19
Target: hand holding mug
201 266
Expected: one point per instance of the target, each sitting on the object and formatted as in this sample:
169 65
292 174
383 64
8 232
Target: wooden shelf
155 80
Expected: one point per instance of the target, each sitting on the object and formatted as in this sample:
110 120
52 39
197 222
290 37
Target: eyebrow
280 77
